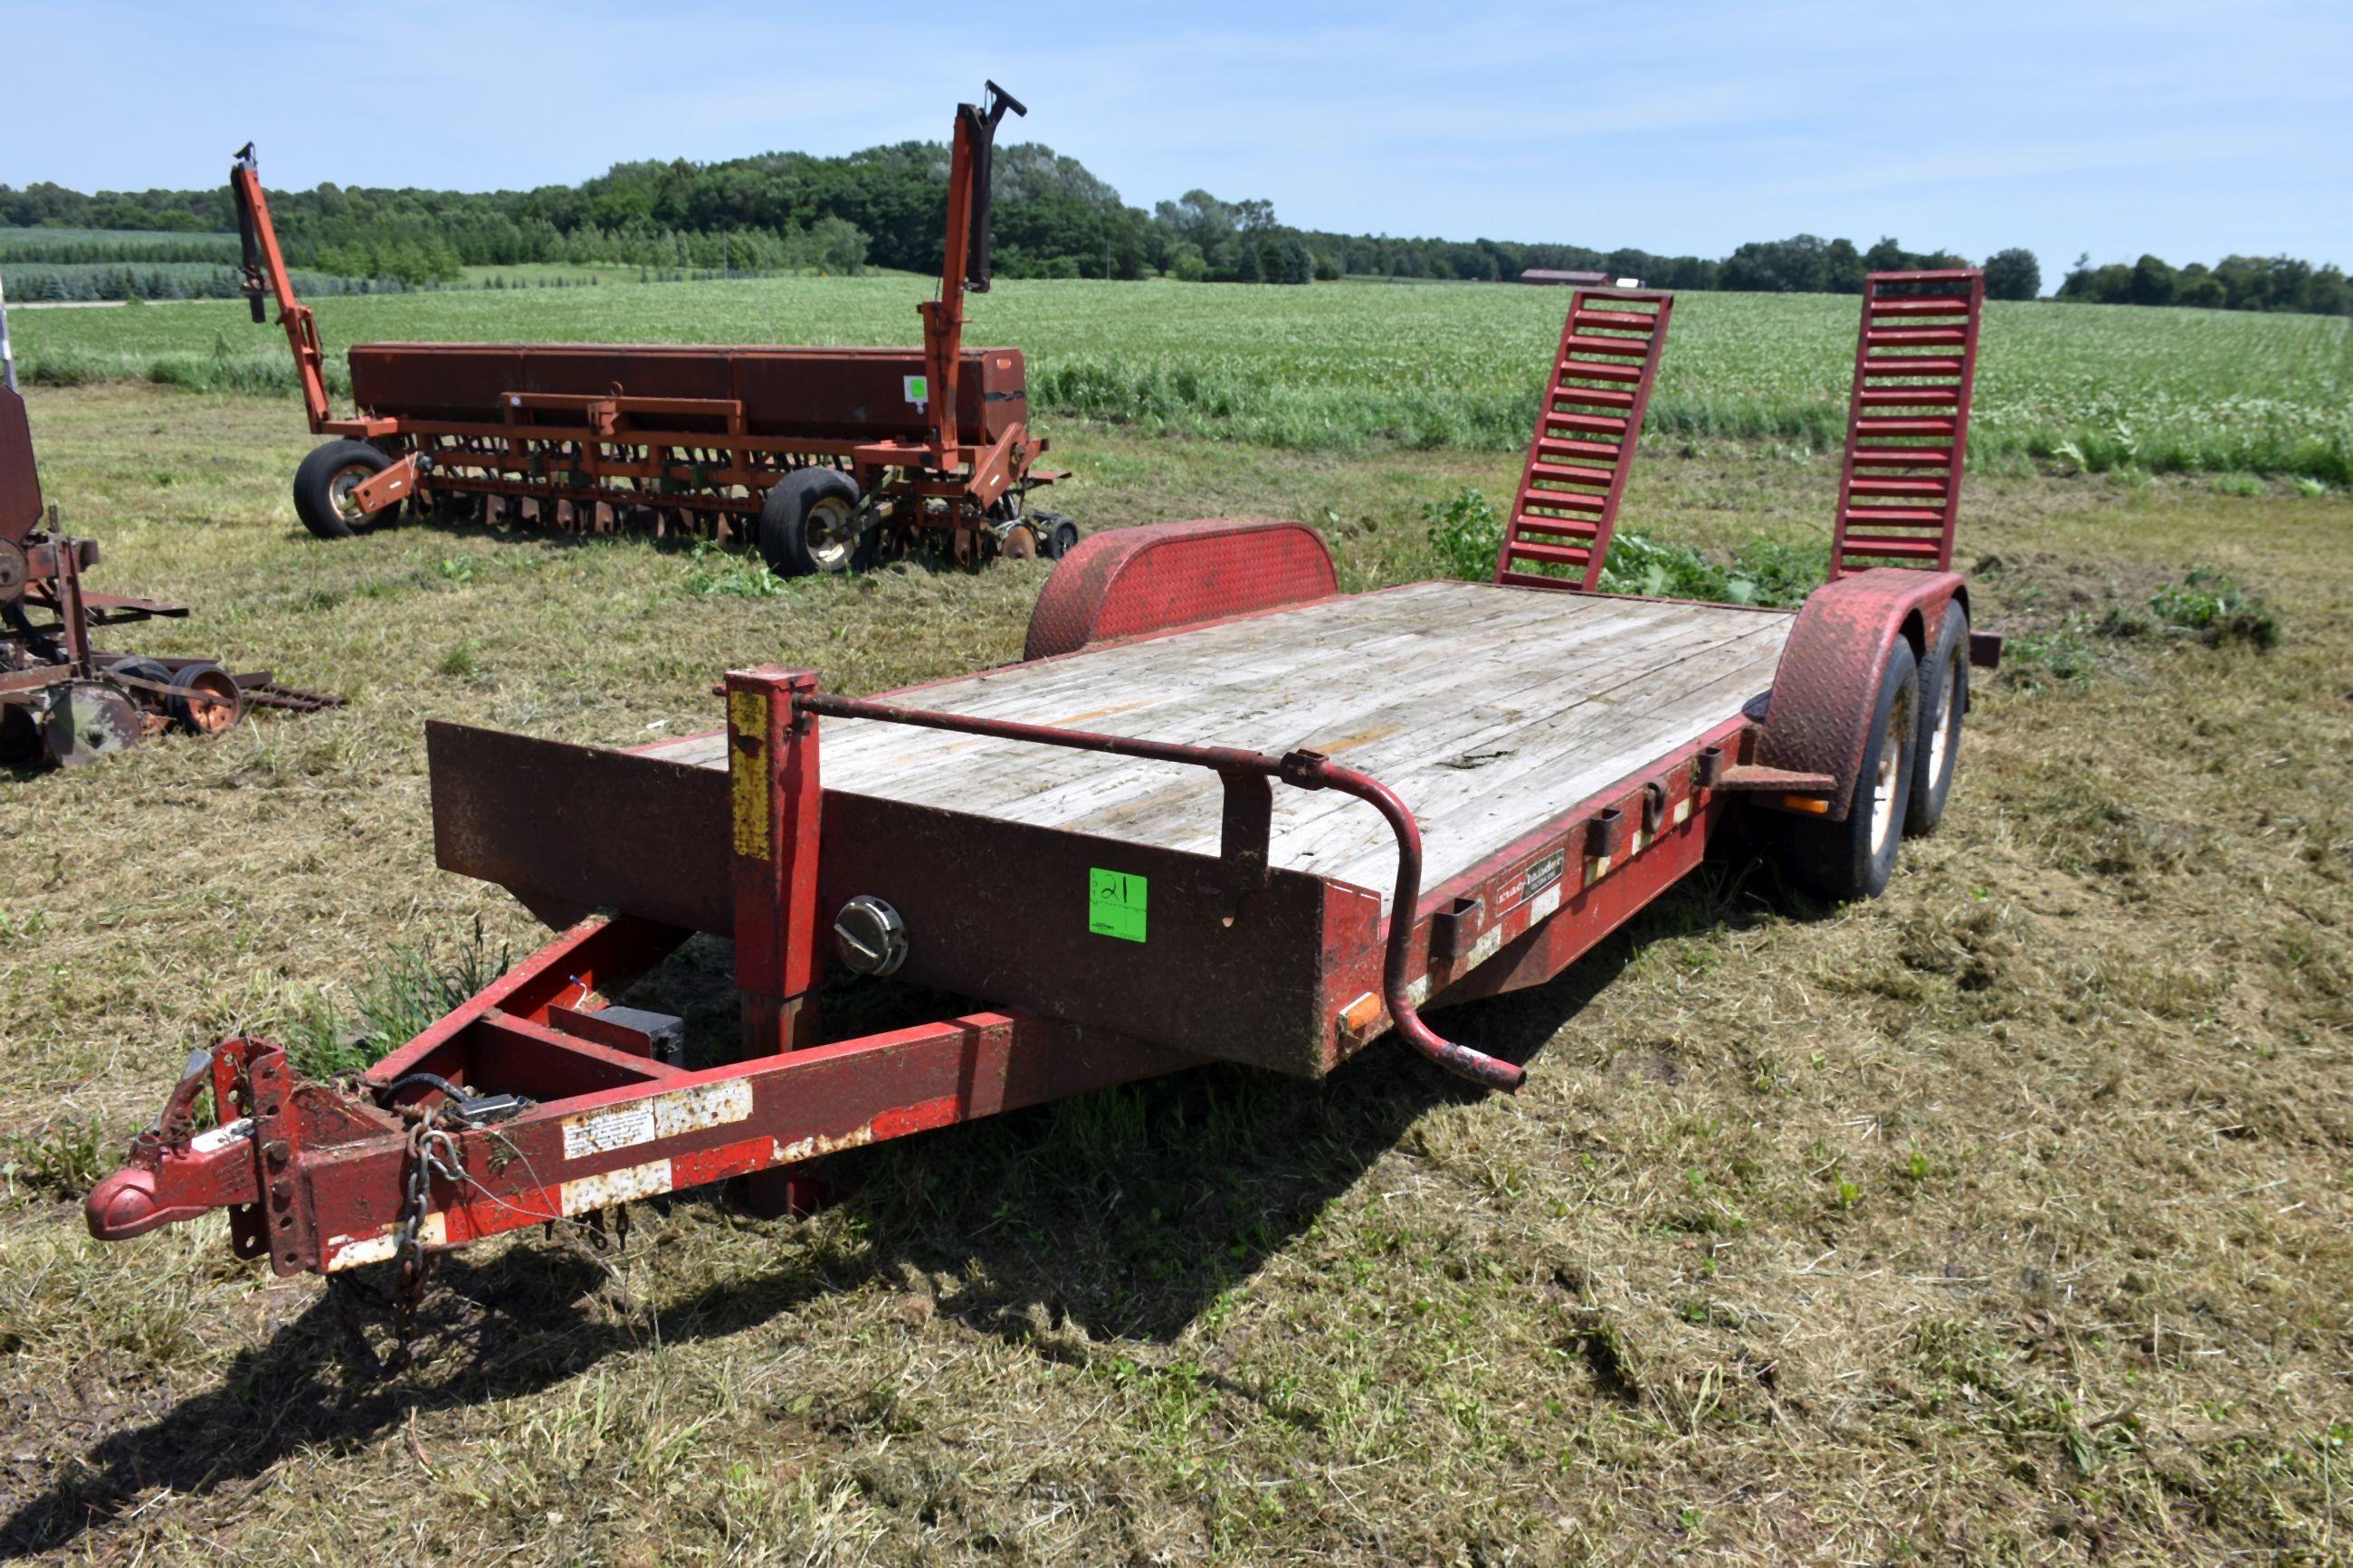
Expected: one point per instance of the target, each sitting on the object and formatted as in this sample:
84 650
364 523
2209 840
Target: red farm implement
826 458
61 701
1223 812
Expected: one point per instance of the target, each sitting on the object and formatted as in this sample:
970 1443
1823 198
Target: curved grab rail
1301 770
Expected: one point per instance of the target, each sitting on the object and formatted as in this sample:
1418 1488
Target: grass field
2003 1218
1344 367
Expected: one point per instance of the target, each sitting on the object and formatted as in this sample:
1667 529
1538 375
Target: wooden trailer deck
1486 709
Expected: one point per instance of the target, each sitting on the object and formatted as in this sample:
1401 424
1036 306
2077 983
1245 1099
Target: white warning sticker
660 1116
221 1137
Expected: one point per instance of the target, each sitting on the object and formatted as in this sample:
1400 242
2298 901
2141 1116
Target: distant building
1577 279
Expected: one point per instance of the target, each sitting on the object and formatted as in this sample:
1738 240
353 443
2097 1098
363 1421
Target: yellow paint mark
747 771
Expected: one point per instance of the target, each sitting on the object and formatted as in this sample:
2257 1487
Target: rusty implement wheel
809 523
12 570
1020 543
88 720
324 483
205 699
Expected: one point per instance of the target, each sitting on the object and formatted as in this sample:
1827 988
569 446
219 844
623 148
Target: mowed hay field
2004 1217
1342 367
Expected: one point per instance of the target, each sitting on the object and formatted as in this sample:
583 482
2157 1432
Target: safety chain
431 1152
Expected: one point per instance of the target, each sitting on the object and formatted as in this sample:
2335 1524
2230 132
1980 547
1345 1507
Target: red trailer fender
1827 684
1163 575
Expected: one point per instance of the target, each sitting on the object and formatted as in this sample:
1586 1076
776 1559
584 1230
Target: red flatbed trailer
1222 812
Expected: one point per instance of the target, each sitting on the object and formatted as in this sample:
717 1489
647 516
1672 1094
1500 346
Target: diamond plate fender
1827 684
1133 581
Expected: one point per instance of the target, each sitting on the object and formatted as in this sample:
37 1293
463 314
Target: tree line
2233 283
885 206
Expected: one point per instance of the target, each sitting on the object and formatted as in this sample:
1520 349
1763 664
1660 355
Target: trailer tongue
826 458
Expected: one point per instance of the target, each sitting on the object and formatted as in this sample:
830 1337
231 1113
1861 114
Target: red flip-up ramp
1908 426
1558 532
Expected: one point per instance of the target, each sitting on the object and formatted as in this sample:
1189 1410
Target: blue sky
2185 130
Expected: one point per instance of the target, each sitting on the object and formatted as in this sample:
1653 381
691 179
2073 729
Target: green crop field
143 244
1344 366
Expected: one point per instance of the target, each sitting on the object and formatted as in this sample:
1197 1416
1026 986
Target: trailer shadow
1116 1217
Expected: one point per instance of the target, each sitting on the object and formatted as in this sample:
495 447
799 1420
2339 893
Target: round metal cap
870 935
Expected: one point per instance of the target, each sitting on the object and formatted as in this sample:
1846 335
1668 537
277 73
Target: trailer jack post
773 795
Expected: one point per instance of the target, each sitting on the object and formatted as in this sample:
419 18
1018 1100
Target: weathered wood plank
1486 709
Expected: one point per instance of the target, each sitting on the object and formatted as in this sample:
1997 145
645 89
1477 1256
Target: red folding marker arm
264 271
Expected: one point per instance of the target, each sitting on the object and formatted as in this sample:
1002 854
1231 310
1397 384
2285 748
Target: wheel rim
1948 729
212 717
340 488
1889 776
829 534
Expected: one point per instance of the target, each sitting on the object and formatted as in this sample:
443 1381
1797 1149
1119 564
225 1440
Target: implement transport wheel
323 486
1060 533
809 523
191 712
1944 703
1853 859
88 720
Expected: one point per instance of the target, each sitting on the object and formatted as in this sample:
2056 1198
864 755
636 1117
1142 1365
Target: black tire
321 482
806 524
193 715
154 670
1841 861
1944 703
1061 535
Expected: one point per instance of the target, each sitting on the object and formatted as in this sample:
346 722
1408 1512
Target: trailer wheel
1944 703
197 716
1060 533
1841 861
323 486
808 524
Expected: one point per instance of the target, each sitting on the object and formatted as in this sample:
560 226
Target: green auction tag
1115 904
919 389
